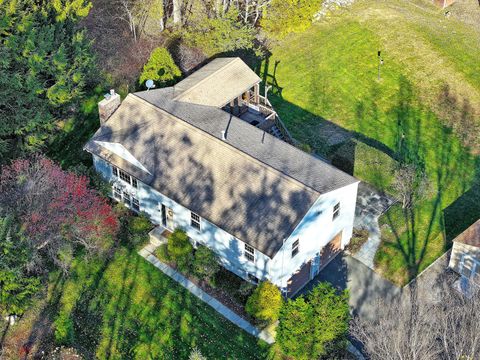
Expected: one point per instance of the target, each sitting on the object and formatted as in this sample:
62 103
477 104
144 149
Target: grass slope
326 82
127 309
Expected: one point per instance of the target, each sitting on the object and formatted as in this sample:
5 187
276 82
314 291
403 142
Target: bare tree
459 324
411 184
177 12
138 13
402 331
415 327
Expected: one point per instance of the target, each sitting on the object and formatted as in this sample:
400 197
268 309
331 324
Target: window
249 253
135 204
117 192
124 176
252 278
195 220
295 247
336 211
126 198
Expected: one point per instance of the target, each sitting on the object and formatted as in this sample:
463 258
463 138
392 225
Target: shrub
180 249
265 302
359 237
315 326
205 264
138 228
220 34
160 68
162 253
285 16
140 224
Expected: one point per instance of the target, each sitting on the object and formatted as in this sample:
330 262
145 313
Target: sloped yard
422 110
125 308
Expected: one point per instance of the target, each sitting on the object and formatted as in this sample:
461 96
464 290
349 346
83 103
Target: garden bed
224 287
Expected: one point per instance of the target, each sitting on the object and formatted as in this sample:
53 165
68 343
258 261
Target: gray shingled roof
216 83
270 150
252 185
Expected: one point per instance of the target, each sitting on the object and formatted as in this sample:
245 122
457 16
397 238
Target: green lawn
325 81
125 308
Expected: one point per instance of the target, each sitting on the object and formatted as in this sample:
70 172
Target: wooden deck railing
267 110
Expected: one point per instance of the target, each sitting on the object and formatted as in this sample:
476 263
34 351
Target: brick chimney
107 106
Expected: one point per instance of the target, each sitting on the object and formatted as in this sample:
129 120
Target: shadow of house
461 214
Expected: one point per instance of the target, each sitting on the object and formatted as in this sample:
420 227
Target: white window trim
245 252
475 262
297 248
336 213
126 174
199 222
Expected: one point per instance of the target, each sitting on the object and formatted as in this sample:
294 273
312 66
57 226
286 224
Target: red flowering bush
56 208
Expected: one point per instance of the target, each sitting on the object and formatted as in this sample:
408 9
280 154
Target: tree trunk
177 12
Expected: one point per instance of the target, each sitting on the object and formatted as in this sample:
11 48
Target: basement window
126 198
336 211
249 253
195 220
252 278
135 204
295 247
117 193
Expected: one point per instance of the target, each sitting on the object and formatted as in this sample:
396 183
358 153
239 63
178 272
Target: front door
167 217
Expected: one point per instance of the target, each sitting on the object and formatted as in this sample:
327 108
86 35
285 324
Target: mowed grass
125 308
325 82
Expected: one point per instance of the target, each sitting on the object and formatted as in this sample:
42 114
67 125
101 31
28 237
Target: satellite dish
149 84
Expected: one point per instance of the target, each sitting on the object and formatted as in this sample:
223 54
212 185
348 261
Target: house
465 256
210 155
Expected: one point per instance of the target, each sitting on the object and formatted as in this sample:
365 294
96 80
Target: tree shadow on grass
406 133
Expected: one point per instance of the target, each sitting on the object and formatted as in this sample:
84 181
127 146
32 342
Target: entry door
167 217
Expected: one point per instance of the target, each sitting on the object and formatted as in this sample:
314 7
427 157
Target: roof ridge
236 58
233 148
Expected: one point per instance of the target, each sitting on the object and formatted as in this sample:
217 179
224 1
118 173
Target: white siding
228 248
315 231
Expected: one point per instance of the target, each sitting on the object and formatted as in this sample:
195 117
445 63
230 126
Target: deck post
256 93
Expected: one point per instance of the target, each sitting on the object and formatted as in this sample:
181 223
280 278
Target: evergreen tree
265 302
160 68
315 325
45 66
17 285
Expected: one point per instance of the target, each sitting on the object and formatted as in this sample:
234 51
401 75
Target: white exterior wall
316 230
228 248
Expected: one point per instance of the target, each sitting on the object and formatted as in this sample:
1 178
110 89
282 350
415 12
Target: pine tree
45 66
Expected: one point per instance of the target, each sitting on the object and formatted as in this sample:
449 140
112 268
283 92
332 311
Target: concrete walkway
147 253
370 206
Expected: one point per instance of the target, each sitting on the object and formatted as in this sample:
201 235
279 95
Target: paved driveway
365 286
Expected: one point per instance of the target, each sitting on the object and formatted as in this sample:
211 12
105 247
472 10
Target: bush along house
210 155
